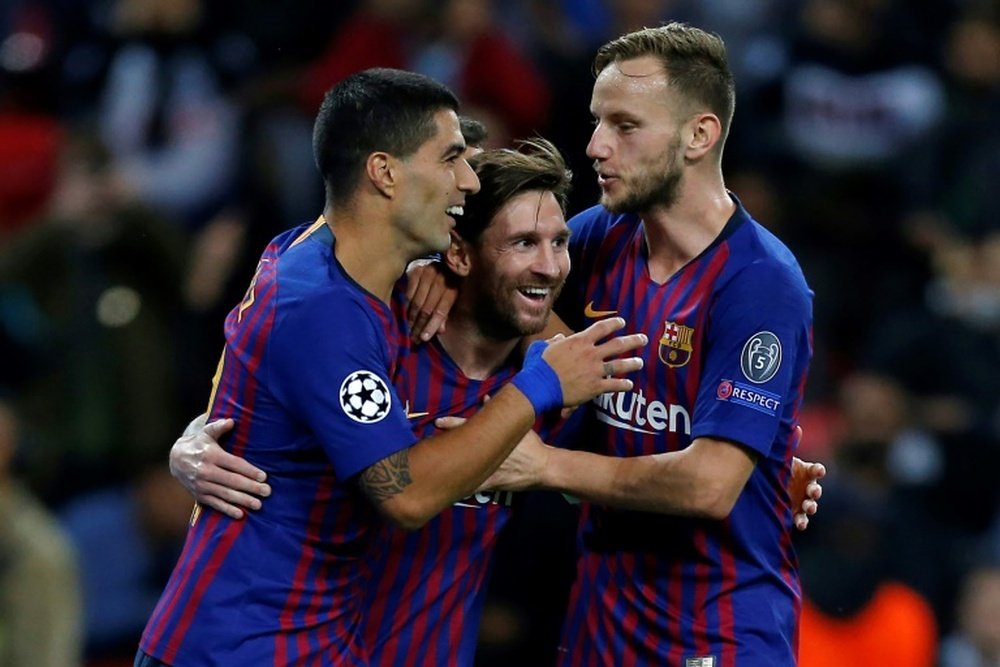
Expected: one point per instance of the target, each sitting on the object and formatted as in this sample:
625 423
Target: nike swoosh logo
590 312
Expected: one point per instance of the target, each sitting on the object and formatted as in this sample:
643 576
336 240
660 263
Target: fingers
244 469
622 366
620 345
231 503
430 299
218 428
801 518
616 367
428 325
814 490
448 423
602 329
215 475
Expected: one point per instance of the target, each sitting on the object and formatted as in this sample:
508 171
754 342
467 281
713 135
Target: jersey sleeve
329 366
757 349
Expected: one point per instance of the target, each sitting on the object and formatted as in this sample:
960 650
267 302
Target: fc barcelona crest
675 344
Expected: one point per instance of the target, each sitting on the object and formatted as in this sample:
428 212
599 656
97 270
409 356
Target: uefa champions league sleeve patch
364 397
761 357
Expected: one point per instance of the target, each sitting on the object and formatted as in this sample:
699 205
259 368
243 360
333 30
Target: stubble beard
647 192
657 186
499 319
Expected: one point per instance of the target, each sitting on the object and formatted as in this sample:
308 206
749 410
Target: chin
531 325
613 204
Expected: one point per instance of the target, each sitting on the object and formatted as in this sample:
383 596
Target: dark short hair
473 131
504 174
695 62
375 110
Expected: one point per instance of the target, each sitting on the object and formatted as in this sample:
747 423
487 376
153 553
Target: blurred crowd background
150 148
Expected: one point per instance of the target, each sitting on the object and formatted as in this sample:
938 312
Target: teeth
535 291
455 210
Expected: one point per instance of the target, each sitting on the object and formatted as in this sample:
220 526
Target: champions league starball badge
365 397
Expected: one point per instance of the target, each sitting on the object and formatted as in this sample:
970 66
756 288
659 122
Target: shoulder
757 254
597 217
594 226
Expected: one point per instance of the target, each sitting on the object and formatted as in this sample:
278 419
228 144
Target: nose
465 178
597 147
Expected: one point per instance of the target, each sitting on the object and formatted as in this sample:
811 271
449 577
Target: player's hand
215 477
588 362
430 294
523 468
804 488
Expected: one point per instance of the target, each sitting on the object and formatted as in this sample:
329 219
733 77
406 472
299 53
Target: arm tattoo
382 480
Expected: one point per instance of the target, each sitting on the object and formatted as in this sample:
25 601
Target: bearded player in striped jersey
686 557
426 591
306 375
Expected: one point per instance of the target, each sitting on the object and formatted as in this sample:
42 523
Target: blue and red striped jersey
306 375
730 344
427 587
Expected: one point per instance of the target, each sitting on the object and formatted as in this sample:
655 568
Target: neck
477 356
678 233
367 253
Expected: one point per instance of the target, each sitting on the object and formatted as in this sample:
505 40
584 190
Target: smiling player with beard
306 375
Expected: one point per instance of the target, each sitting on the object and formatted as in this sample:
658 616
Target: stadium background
149 148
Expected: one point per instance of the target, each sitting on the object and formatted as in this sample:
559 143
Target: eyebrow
456 148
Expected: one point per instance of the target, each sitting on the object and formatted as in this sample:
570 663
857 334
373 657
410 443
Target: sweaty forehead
631 81
644 67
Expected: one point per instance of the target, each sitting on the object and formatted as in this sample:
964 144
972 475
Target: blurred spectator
951 183
976 639
853 612
955 390
146 519
457 42
30 132
172 132
100 280
858 93
39 592
884 447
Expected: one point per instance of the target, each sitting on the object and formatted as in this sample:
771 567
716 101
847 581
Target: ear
381 172
705 132
456 257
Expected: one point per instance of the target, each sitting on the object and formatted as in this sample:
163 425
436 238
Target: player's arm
215 477
703 480
657 482
412 485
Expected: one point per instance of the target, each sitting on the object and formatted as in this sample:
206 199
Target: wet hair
504 173
473 131
374 110
695 62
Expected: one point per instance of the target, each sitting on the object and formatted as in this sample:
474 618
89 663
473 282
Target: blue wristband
537 381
